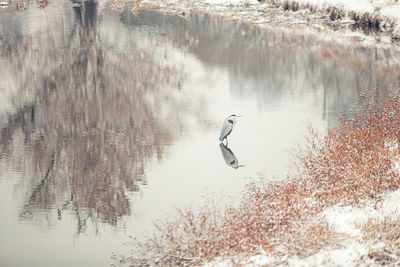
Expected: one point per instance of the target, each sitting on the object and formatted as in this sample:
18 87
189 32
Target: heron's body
227 127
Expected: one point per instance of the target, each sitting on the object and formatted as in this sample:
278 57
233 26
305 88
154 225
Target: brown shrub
356 159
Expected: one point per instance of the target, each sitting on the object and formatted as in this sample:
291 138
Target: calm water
109 121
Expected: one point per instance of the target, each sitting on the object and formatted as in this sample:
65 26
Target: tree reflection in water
87 129
80 125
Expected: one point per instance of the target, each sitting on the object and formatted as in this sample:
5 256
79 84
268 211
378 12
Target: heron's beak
241 166
239 116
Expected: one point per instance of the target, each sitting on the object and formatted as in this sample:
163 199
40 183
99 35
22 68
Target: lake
111 120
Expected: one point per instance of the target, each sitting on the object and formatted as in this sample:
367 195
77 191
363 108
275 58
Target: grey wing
226 129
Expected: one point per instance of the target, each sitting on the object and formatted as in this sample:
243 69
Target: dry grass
121 5
387 234
350 163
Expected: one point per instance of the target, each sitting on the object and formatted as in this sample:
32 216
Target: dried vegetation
388 234
355 162
121 5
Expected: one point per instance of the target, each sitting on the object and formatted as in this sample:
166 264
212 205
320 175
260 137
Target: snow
355 5
387 11
314 13
358 6
231 2
218 263
390 205
338 257
392 11
348 221
261 260
392 14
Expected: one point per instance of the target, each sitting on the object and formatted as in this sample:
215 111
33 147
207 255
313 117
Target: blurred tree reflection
88 130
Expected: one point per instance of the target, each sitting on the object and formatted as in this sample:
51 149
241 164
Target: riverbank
364 19
339 209
383 15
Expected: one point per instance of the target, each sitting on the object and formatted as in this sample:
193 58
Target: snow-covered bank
381 15
361 240
355 224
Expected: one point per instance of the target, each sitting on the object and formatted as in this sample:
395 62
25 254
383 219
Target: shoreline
338 23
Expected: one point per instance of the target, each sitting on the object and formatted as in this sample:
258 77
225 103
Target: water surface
109 120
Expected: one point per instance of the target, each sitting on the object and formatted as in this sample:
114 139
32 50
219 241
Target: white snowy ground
386 11
310 12
350 222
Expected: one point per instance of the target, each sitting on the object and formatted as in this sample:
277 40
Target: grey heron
227 127
229 157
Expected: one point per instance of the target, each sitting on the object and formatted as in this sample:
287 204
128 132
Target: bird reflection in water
229 157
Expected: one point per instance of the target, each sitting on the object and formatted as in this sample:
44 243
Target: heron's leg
227 141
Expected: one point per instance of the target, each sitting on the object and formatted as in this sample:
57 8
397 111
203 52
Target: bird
229 157
227 127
